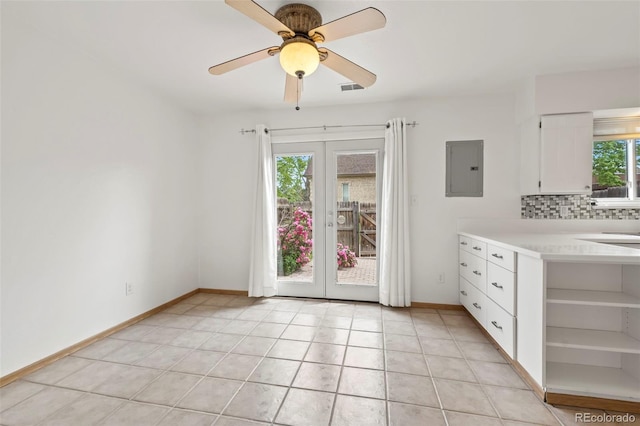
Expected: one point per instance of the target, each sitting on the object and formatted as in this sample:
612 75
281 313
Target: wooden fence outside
355 221
613 192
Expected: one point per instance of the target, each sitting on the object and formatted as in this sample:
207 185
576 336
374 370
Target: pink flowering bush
295 242
346 257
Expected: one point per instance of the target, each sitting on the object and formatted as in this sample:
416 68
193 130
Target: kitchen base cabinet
570 322
591 381
592 344
487 289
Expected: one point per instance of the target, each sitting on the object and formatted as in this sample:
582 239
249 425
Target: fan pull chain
298 84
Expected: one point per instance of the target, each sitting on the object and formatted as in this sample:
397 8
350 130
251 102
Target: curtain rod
411 124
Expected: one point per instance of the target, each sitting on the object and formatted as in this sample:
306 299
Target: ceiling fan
301 27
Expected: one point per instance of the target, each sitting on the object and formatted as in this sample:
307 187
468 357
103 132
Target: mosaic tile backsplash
578 207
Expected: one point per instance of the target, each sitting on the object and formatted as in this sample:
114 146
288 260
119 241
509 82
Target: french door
327 208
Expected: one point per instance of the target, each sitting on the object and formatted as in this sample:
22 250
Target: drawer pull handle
496 285
463 264
477 248
495 324
497 256
477 273
464 293
477 306
463 243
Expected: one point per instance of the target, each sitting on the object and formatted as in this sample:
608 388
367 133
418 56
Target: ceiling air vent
350 86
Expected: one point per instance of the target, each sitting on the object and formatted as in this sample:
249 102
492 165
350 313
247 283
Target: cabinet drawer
503 257
501 286
501 325
479 248
476 304
464 243
474 269
464 292
473 246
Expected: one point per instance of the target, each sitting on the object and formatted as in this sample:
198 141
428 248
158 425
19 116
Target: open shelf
593 298
611 341
578 379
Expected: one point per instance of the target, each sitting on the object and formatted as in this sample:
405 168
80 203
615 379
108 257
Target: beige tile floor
234 361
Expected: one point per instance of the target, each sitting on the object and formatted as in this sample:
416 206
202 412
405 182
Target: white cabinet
582 322
501 287
501 326
570 320
474 270
474 300
556 154
592 325
487 289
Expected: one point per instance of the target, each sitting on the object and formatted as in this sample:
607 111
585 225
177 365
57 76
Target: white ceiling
427 49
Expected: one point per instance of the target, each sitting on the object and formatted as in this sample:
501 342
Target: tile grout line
284 398
206 375
433 382
168 370
464 357
241 309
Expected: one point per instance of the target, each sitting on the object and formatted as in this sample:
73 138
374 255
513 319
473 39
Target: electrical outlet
441 277
564 211
128 288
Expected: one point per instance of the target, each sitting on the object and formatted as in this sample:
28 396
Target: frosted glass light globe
299 57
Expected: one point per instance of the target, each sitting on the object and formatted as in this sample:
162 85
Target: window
345 192
616 162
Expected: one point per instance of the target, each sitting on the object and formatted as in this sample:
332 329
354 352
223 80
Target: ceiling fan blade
291 89
368 19
243 60
256 12
352 71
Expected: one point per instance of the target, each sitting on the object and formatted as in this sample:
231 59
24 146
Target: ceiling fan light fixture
299 57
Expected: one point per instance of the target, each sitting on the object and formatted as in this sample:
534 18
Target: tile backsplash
577 207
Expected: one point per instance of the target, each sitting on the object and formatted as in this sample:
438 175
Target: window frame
346 195
632 200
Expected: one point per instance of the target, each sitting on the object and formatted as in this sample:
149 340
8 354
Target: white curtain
262 275
395 278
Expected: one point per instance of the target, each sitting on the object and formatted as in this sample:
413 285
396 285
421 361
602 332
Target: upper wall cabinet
556 154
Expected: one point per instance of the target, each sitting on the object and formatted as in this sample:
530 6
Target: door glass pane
294 176
356 235
610 169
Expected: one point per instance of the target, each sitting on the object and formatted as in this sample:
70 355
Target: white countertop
567 247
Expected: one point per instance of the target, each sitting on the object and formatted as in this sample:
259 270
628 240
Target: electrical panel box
464 168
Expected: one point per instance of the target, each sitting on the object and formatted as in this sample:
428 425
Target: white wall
98 188
228 163
587 91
